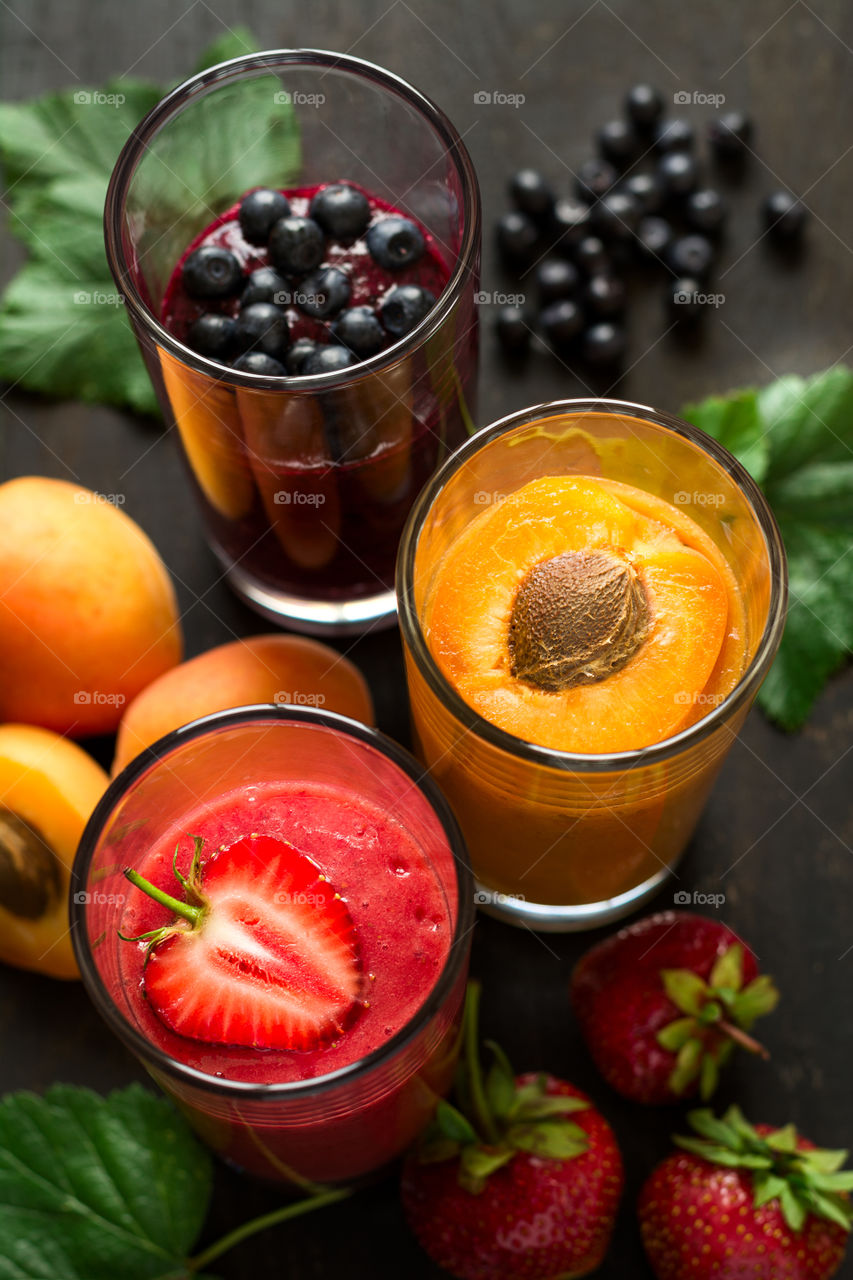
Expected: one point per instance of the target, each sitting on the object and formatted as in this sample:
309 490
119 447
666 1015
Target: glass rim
589 762
151 1054
235 69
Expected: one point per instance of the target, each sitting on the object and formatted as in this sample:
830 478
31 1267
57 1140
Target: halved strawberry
263 952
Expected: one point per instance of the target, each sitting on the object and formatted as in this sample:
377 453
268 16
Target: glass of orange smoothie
590 594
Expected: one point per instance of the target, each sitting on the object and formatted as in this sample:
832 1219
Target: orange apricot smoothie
575 647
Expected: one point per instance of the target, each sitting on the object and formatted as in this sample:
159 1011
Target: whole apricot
88 615
288 670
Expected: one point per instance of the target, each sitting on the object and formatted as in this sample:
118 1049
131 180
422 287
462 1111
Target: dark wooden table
781 810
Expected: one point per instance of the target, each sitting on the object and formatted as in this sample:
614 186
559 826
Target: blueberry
298 354
654 236
513 330
678 173
556 278
691 256
615 216
603 343
730 135
324 293
784 216
329 358
705 211
296 245
592 256
211 272
646 190
257 362
618 143
259 210
684 298
404 307
518 236
359 329
594 179
674 135
644 105
262 327
570 222
561 322
341 210
605 296
395 242
530 193
265 285
212 335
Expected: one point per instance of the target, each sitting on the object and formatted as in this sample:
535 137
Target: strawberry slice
263 952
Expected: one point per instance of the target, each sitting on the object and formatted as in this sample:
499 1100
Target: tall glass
336 1127
561 840
304 484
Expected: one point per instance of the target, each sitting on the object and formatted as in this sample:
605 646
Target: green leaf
453 1124
834 1209
707 1125
793 1211
500 1085
236 42
92 1188
687 1066
734 420
557 1139
768 1186
783 1139
686 989
728 969
825 1161
479 1163
676 1034
549 1105
756 1000
709 1076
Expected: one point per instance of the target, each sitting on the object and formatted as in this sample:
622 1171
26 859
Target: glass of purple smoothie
296 236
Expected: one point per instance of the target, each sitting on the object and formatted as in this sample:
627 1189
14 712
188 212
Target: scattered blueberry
342 211
730 135
604 343
395 242
691 256
556 278
784 216
561 322
592 256
259 210
298 354
615 216
618 143
212 335
257 362
323 293
211 272
296 245
265 285
646 190
570 222
705 211
404 307
358 329
328 358
530 193
654 236
644 105
678 173
513 330
605 296
262 327
518 236
674 135
684 298
594 179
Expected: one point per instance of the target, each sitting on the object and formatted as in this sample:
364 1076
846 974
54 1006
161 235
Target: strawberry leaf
687 1066
728 970
783 1139
92 1188
500 1084
559 1139
477 1164
453 1124
793 1211
768 1186
824 1161
709 1076
756 1000
676 1034
686 990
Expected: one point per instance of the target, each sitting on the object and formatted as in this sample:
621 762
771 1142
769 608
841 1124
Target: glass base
549 918
313 617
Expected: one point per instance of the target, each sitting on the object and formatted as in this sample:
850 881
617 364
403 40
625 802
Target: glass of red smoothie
381 843
304 469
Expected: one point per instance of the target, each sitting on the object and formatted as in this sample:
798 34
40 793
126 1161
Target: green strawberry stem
185 909
294 1210
745 1041
479 1102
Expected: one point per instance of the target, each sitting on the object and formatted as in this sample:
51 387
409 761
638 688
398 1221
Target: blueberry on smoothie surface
394 242
296 245
359 330
262 327
211 272
212 335
404 307
324 293
259 211
341 210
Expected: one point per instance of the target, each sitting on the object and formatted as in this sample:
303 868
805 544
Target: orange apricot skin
276 668
88 615
53 785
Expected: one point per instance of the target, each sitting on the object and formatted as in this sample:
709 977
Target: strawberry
522 1182
262 951
746 1201
662 1004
